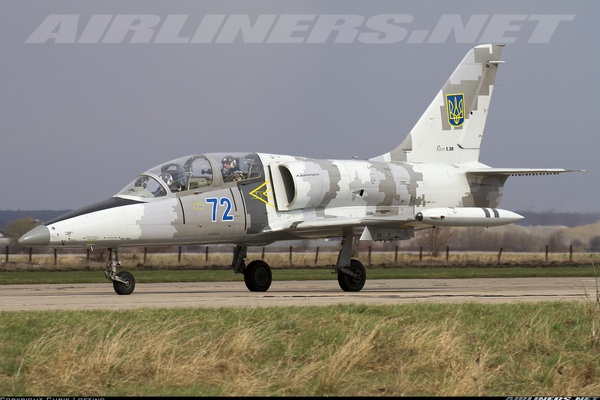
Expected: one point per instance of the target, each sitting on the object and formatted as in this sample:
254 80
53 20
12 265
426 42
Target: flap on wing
521 171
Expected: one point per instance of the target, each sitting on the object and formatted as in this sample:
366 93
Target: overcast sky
86 104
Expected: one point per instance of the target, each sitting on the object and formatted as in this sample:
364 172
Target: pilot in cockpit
231 172
168 179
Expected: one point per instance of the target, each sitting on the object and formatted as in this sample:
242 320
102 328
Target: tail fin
451 128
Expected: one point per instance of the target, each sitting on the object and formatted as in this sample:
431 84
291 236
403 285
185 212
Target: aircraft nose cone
38 236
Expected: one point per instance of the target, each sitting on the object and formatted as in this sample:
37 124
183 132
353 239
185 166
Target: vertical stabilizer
451 128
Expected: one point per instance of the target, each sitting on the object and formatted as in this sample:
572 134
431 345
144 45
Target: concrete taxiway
100 296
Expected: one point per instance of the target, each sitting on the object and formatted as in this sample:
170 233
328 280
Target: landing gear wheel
350 283
128 286
257 276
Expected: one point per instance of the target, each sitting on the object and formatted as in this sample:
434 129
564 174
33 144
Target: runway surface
100 296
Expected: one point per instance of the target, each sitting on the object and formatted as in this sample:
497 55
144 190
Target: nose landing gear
123 282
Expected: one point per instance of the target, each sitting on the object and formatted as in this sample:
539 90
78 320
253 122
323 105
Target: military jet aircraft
432 178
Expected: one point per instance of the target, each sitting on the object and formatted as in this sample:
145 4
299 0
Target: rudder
451 128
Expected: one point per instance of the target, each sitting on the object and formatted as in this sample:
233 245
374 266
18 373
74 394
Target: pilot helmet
228 160
167 178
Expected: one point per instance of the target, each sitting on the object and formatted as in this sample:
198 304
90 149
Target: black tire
124 288
352 284
258 276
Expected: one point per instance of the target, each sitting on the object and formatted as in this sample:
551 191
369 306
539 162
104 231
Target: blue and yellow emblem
455 109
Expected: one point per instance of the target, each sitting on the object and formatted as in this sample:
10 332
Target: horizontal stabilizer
521 171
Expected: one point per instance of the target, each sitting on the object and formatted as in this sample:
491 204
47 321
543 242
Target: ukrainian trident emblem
455 109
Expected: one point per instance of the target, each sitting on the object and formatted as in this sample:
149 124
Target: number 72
223 201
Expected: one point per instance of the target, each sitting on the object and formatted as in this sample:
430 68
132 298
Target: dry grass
135 357
299 259
445 350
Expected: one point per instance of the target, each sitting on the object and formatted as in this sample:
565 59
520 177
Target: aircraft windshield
144 186
194 173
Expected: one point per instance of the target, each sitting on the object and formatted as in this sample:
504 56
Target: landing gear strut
351 273
123 282
257 275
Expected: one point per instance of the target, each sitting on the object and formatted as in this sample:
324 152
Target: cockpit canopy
195 172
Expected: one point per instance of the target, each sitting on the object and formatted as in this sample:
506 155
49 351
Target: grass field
33 276
468 349
352 350
169 267
136 258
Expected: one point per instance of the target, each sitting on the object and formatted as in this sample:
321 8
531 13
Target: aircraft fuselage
277 197
432 178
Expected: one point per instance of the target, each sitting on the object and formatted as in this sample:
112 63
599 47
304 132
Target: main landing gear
351 273
258 277
257 274
123 282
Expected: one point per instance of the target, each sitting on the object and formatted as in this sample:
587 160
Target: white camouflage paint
276 197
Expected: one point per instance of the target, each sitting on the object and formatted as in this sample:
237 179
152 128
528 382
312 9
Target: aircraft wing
521 171
375 228
341 222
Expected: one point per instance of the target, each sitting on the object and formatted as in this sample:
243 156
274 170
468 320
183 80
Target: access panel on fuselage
215 215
